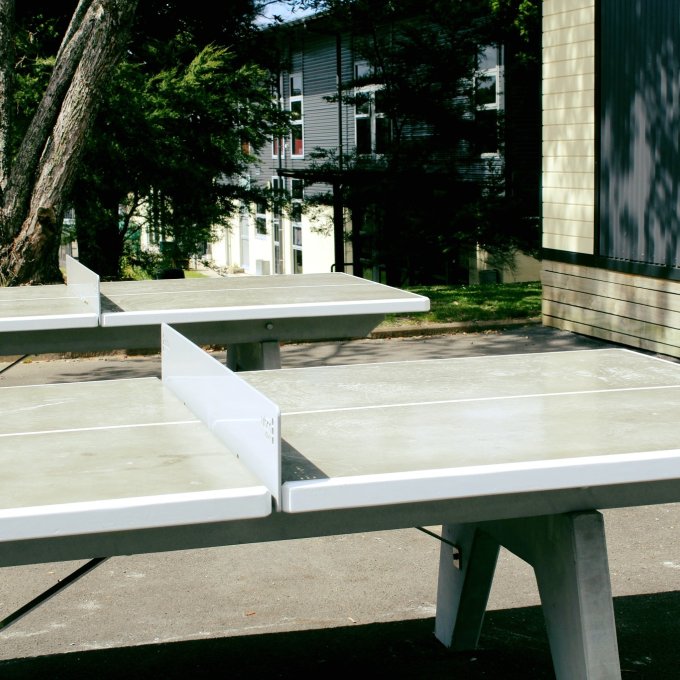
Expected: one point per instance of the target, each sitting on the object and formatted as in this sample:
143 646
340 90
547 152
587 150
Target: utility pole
338 208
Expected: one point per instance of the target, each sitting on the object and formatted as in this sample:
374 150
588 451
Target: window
244 234
488 100
297 192
297 146
372 126
297 249
279 186
297 196
261 219
278 146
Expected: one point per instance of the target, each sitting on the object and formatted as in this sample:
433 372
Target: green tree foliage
169 155
179 124
37 36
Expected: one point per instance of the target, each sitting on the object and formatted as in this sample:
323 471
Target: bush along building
611 197
407 159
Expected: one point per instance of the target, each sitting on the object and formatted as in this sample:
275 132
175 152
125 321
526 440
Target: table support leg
569 555
465 575
254 356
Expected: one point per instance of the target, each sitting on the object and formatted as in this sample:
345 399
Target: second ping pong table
519 450
251 315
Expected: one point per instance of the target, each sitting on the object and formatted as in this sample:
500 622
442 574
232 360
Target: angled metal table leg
466 571
569 555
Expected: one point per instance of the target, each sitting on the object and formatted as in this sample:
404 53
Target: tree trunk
25 164
31 256
6 89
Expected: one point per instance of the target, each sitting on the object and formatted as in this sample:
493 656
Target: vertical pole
338 217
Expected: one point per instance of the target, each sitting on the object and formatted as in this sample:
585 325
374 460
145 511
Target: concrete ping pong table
251 315
518 450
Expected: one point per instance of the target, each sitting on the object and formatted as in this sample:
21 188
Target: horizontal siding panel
575 17
569 100
656 303
609 335
625 309
574 83
568 180
569 196
571 116
566 164
624 313
581 147
556 6
569 51
634 310
668 287
577 228
569 211
566 36
320 123
630 331
572 67
570 244
570 132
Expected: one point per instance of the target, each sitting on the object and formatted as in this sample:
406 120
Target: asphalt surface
360 603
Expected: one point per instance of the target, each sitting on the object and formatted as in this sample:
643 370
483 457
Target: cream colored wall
568 178
523 268
317 248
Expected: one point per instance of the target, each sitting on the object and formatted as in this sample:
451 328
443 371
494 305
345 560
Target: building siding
568 130
582 292
640 117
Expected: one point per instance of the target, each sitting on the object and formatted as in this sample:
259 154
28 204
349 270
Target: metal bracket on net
456 548
437 536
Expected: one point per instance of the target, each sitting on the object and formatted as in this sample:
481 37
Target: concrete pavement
303 608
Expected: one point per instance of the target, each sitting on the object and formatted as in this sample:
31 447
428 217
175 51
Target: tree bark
6 70
56 139
24 166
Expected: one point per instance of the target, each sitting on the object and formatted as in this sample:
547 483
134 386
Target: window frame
498 105
362 69
277 184
296 224
296 99
278 143
260 219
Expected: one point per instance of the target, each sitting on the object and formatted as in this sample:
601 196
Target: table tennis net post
241 417
83 283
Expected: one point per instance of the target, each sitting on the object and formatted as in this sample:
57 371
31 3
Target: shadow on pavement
513 646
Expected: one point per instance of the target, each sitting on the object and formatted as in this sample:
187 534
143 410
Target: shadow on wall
639 82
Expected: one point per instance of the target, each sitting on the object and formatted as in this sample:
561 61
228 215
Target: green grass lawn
497 301
192 274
